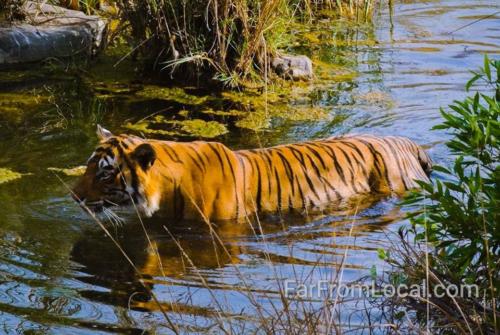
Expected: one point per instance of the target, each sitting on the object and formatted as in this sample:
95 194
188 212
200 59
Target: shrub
228 40
460 217
12 10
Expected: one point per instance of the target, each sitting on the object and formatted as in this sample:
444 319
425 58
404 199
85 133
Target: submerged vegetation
460 219
7 175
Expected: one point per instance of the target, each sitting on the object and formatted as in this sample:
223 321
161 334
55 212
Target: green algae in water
194 127
377 99
176 94
207 129
72 172
7 175
143 127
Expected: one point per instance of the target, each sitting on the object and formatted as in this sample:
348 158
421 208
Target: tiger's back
229 184
315 173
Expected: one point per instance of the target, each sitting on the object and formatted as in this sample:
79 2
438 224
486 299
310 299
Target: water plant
7 175
458 218
227 40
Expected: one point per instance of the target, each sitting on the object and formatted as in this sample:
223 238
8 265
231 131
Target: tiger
208 181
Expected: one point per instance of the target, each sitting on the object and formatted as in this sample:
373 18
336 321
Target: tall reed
228 40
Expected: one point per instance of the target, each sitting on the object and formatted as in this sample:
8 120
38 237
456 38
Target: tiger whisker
120 221
107 216
113 217
110 219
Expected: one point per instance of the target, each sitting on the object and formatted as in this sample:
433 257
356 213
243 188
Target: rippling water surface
60 274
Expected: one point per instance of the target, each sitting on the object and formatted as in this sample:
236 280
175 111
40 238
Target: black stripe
259 187
315 153
278 185
196 162
106 151
296 152
349 162
171 153
268 164
360 164
331 153
322 178
236 193
300 192
123 144
376 155
133 173
389 144
325 180
288 170
113 142
200 159
250 156
211 146
179 202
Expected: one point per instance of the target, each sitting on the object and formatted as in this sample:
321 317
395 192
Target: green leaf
471 81
439 168
487 70
373 272
382 254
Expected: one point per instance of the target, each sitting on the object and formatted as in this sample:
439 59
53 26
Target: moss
14 106
195 127
330 46
175 93
231 112
143 127
72 172
202 128
7 175
255 121
328 72
377 98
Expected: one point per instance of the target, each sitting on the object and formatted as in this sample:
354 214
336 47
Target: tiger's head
116 173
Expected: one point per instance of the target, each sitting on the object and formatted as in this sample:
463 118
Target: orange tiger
207 180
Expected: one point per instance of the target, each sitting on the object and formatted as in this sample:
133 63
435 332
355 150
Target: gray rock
51 31
293 67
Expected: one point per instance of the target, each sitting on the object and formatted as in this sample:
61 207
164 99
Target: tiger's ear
103 134
145 156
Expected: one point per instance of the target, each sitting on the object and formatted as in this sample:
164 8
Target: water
60 274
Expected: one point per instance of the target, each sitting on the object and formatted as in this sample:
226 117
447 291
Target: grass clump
11 10
460 220
226 38
231 41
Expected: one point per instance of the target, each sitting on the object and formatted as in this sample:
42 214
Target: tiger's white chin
150 205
